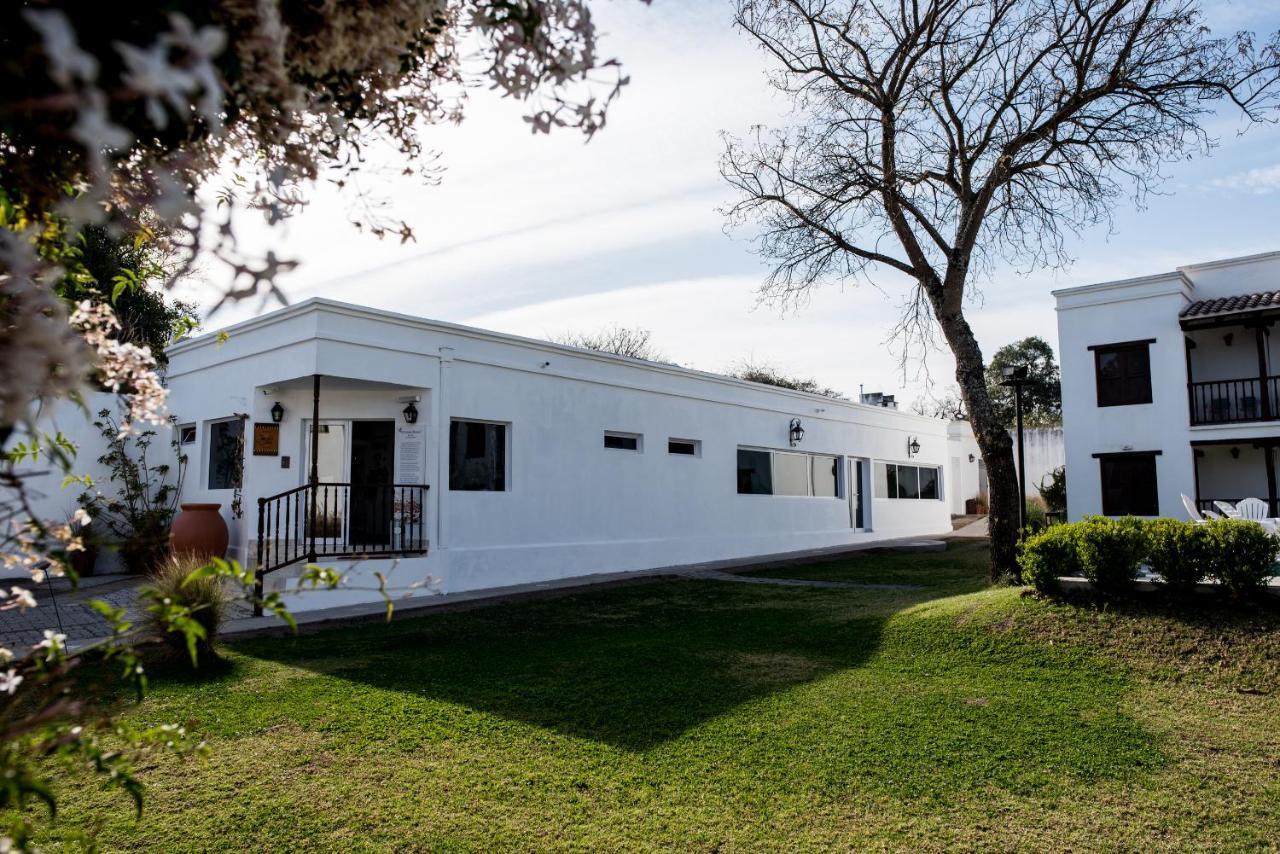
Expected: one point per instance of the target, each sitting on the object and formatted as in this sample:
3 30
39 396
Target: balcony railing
340 520
1208 504
1234 401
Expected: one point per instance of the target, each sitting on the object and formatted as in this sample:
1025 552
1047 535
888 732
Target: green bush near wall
1239 554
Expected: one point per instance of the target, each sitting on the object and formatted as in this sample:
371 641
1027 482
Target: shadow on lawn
632 667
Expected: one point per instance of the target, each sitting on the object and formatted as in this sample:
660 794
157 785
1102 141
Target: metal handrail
314 520
1234 400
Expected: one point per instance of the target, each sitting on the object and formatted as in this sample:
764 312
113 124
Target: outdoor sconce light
410 414
1228 338
913 446
277 412
1235 453
797 432
972 458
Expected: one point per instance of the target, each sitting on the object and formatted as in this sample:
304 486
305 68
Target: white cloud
1263 180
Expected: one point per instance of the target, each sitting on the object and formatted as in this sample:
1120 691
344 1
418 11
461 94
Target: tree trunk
994 442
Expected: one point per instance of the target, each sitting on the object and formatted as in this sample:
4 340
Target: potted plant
140 512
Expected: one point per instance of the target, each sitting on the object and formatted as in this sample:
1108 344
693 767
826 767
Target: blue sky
542 235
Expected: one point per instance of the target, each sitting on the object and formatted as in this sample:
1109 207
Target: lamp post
1015 377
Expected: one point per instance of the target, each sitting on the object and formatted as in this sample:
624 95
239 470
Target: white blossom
9 681
53 641
22 597
67 61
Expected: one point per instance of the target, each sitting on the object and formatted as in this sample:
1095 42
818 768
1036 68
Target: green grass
703 715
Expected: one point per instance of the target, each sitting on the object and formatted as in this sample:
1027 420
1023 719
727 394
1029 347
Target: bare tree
631 341
938 138
948 405
766 374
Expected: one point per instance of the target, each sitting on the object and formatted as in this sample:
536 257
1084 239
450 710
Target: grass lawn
705 715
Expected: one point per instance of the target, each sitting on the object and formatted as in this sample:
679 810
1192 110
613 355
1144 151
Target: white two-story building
1170 388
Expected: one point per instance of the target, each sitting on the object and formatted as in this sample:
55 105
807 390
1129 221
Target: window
684 447
1129 484
226 453
477 456
622 441
788 473
755 475
186 434
1123 373
898 481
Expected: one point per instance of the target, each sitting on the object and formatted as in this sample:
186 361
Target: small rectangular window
226 453
622 441
1129 485
186 434
477 456
1123 373
684 447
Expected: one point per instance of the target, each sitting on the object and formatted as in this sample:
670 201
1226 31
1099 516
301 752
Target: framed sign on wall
266 440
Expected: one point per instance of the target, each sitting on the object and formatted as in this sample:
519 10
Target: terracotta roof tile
1231 305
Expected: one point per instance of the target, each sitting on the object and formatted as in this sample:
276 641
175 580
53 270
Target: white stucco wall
572 507
1148 308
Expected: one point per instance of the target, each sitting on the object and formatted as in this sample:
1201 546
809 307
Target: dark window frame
219 476
464 474
1132 387
1118 471
618 440
694 447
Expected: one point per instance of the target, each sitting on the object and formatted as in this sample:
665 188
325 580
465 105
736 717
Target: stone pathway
717 575
67 611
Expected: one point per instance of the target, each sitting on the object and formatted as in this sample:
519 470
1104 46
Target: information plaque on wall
266 440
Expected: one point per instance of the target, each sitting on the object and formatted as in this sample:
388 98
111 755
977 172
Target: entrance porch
358 490
1232 469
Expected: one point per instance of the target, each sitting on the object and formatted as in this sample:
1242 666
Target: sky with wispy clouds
539 235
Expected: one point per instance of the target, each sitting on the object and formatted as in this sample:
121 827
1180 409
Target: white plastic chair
1193 512
1227 509
1254 509
1209 514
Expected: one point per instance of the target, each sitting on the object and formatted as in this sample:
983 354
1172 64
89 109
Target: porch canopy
1240 309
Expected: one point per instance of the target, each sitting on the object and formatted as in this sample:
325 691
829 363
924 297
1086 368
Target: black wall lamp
913 446
796 432
410 414
277 412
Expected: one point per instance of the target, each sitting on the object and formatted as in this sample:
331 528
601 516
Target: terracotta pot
199 532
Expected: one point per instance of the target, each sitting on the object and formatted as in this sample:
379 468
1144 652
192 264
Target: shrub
1241 555
1054 493
1037 519
1046 556
185 613
1179 552
1110 551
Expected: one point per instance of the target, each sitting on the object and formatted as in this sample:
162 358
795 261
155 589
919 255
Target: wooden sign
266 440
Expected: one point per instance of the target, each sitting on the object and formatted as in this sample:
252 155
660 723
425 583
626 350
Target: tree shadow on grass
935 711
631 667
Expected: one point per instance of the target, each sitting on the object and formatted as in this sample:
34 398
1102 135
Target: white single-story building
486 460
1170 388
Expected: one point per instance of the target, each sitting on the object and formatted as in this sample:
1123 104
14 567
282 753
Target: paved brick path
68 611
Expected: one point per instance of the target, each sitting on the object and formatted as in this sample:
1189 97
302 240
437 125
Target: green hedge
1239 554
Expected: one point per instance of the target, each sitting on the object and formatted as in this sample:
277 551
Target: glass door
331 459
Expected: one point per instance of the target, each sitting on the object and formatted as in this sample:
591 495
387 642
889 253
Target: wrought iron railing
1208 504
340 520
1234 401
